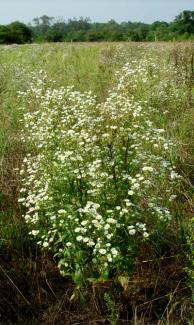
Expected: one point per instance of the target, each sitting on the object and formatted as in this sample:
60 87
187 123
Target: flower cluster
93 179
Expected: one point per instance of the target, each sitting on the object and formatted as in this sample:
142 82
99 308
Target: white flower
85 239
102 251
109 258
61 211
145 234
98 217
148 168
79 238
130 192
135 186
172 197
83 223
90 243
21 200
111 220
114 251
34 232
174 175
140 225
132 232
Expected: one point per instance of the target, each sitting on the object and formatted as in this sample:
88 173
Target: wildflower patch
92 181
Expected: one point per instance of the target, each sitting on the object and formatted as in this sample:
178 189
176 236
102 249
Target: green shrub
99 179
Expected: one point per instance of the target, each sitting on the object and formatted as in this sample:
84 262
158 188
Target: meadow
96 183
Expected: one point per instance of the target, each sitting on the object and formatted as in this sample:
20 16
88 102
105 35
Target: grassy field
130 113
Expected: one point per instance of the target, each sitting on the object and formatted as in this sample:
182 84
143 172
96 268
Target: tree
184 23
158 31
57 32
48 29
4 35
15 32
42 26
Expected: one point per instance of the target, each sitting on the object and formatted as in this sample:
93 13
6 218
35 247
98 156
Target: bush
101 180
15 32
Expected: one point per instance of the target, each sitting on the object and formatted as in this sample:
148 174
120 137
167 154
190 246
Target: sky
146 11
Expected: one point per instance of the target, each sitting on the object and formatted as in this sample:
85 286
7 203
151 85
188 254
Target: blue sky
98 10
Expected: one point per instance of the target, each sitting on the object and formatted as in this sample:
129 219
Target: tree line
49 29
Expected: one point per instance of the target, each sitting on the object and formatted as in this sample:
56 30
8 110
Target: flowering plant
93 179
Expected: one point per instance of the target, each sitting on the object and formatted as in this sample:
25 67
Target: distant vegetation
49 29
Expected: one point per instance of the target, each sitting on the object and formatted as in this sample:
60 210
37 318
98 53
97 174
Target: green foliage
83 29
92 189
112 309
15 32
48 29
184 23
